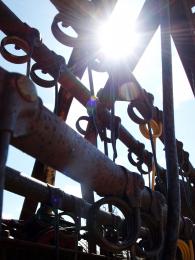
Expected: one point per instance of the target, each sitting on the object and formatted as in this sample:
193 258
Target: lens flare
117 37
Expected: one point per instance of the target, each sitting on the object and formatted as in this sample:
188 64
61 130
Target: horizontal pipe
41 134
30 187
54 143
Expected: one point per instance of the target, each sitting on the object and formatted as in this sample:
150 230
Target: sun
117 37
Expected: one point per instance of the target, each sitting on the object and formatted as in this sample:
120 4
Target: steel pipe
5 137
35 128
71 154
39 191
29 187
173 200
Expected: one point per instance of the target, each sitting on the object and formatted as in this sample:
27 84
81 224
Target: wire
154 164
56 99
112 122
91 85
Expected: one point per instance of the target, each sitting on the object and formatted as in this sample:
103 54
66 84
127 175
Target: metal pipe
36 128
5 134
29 187
39 191
173 200
5 137
70 154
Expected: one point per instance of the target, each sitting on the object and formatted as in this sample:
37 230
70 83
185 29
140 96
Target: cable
112 122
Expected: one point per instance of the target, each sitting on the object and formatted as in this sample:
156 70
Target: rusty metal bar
173 200
30 205
31 188
70 154
5 137
23 185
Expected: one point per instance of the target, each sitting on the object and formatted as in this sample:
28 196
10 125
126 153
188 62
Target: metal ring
140 169
41 82
77 220
61 36
129 226
156 238
131 160
156 129
133 116
20 44
78 127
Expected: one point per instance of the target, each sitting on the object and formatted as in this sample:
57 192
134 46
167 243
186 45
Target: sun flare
117 37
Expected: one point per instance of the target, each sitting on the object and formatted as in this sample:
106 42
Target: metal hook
19 44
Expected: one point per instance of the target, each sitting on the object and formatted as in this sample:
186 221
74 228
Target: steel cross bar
23 185
39 191
173 187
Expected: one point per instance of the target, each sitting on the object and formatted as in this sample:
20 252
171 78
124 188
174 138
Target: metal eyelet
19 44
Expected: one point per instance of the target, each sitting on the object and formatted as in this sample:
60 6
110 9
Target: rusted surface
5 137
31 188
173 187
69 153
39 191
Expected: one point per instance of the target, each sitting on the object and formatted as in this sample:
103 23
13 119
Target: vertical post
172 228
4 145
6 124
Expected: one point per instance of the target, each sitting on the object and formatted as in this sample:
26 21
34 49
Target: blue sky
40 14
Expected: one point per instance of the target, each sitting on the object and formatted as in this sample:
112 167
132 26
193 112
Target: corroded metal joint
18 102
